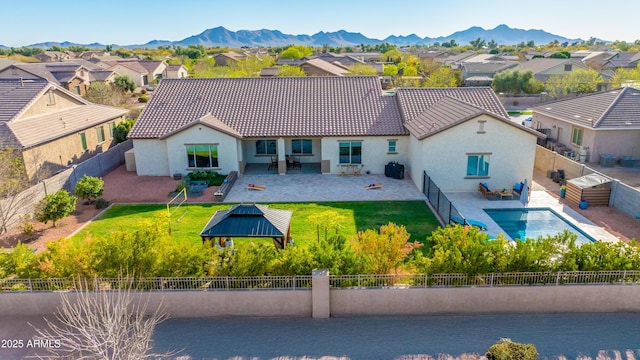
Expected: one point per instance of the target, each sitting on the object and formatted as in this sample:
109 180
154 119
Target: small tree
505 349
384 251
125 83
89 188
291 71
122 130
103 325
55 207
12 181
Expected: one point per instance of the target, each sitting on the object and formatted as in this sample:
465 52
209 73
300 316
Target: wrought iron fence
438 199
222 283
228 283
486 280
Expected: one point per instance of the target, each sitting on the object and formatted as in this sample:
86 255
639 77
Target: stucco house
544 68
606 122
73 77
460 136
176 72
142 72
52 127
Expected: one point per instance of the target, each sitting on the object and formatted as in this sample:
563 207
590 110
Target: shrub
55 207
143 99
143 91
505 349
89 187
212 177
26 225
122 130
102 203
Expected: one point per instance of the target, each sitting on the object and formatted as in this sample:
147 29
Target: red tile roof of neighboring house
611 109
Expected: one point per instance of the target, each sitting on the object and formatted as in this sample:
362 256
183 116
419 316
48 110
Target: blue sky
128 22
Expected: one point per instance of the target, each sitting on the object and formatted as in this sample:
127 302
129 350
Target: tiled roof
327 67
100 75
612 109
415 101
488 67
449 112
259 107
16 96
39 129
542 64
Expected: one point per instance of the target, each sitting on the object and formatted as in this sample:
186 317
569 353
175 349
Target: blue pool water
534 222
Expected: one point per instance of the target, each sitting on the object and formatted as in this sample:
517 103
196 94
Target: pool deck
471 205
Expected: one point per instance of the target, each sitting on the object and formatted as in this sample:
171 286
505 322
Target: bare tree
12 182
103 325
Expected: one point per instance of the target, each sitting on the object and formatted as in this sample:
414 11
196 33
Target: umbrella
524 195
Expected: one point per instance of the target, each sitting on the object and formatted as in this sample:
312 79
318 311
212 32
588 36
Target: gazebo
249 220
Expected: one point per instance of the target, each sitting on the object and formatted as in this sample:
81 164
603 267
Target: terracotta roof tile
415 101
259 107
612 109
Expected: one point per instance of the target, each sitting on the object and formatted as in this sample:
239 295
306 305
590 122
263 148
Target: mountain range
219 36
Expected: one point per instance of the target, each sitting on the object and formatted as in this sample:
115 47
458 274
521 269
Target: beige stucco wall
43 104
374 152
618 143
444 155
365 302
200 134
524 299
62 152
180 303
134 75
151 157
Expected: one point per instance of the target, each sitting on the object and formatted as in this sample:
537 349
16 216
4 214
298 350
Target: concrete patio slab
318 187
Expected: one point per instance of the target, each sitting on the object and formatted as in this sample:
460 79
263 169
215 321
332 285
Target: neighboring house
319 67
482 73
602 123
544 68
142 72
176 72
53 56
460 136
228 58
269 72
52 127
70 76
627 60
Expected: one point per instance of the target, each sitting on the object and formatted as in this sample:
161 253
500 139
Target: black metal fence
439 200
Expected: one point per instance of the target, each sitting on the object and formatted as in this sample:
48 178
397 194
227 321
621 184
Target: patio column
282 160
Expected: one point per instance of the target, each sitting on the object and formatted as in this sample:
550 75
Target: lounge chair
483 189
517 189
255 187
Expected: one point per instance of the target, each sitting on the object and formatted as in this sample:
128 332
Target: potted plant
563 191
583 204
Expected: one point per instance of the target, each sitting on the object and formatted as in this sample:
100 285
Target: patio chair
479 224
274 163
295 162
373 186
483 189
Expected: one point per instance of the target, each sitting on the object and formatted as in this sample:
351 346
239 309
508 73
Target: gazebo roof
248 220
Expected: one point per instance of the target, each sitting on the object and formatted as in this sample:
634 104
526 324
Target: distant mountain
219 36
504 35
66 44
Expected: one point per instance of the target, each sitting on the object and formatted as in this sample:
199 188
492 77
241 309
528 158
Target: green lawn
354 216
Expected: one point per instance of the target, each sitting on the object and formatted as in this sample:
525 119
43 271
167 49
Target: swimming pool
534 222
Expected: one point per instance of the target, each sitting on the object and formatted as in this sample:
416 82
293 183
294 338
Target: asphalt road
372 338
570 335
